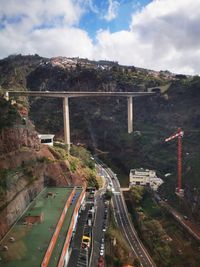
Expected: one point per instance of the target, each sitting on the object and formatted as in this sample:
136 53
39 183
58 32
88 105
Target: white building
144 177
46 139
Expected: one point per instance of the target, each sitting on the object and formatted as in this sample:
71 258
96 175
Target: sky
153 34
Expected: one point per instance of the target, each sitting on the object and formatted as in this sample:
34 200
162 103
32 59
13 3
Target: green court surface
27 244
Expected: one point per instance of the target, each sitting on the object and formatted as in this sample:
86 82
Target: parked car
101 262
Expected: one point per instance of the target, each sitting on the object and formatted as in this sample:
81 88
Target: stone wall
17 206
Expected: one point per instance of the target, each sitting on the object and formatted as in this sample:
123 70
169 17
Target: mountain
101 123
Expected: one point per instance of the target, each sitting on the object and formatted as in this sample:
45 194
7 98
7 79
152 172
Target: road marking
119 200
126 234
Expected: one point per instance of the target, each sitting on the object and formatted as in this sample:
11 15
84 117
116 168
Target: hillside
26 166
101 123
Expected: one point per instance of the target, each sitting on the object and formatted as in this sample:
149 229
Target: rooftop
46 136
141 170
26 244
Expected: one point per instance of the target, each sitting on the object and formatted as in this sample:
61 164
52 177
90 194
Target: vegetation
108 195
137 193
59 151
102 124
165 239
9 178
84 155
9 115
117 250
151 229
136 263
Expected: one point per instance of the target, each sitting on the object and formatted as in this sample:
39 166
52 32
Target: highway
122 219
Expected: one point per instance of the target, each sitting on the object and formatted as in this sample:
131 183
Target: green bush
84 155
73 166
9 115
92 181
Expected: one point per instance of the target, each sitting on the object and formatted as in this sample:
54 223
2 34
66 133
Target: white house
46 139
144 177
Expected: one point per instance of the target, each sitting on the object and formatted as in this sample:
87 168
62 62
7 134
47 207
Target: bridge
65 95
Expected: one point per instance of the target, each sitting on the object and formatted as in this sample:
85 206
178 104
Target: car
101 252
102 246
101 262
85 242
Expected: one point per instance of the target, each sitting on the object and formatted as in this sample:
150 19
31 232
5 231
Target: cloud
41 12
92 6
68 41
112 10
48 28
164 34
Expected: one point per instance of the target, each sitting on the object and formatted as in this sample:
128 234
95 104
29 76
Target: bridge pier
66 122
130 114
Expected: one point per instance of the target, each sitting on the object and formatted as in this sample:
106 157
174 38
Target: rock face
26 166
15 138
28 171
16 206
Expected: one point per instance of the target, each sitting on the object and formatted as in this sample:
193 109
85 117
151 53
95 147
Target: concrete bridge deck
63 94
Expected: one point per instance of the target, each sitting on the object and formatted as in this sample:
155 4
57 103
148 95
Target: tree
136 262
137 193
108 195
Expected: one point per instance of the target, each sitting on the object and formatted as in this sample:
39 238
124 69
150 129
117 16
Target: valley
99 125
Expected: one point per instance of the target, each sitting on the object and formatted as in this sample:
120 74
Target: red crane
178 135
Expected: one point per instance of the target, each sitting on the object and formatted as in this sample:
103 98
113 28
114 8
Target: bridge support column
66 122
130 114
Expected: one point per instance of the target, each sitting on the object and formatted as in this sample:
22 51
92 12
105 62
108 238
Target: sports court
28 240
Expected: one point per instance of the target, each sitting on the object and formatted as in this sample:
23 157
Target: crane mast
179 136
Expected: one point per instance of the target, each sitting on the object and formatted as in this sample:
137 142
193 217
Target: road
97 229
76 244
124 222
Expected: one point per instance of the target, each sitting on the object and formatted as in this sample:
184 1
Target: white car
102 246
101 252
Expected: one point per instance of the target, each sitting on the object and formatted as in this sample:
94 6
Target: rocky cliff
26 166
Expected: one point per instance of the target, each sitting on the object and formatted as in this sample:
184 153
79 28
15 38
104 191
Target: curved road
124 222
